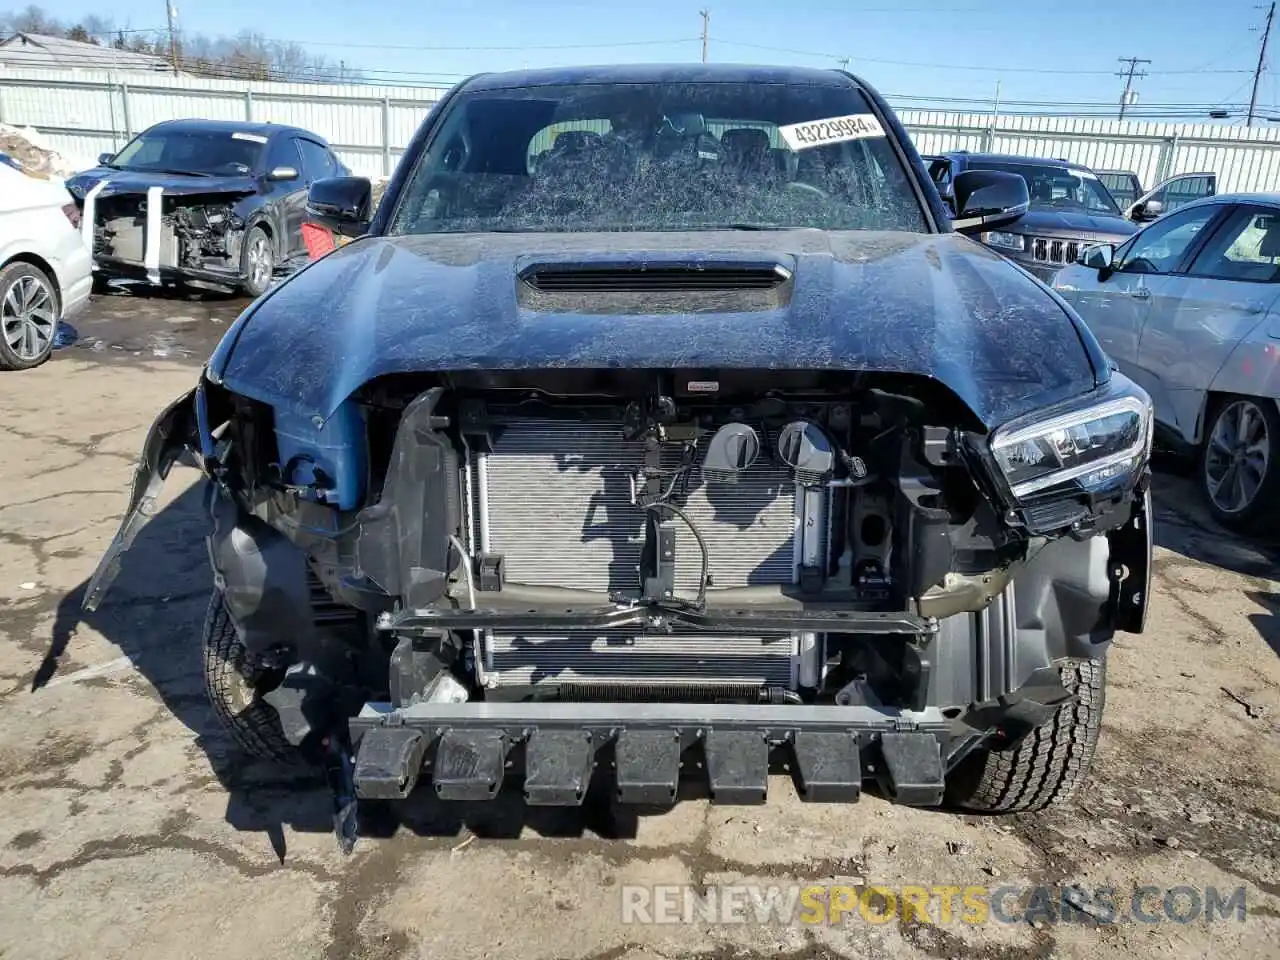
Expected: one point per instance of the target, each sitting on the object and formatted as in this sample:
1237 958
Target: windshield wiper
179 173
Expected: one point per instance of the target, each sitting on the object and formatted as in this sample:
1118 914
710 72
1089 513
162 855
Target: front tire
1049 765
1240 463
234 682
28 316
257 262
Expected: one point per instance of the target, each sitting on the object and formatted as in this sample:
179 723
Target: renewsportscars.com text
846 903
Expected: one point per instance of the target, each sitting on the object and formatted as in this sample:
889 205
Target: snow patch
36 156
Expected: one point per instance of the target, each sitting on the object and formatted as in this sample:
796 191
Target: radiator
560 513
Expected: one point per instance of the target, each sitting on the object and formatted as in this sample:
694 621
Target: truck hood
936 305
121 182
1072 223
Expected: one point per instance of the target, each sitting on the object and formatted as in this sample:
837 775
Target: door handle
1142 293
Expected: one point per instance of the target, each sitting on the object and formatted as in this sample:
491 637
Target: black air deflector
653 278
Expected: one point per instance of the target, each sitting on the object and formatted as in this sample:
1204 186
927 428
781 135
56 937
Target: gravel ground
131 827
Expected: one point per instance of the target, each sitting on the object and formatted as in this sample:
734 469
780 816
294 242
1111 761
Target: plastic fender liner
263 576
1057 606
172 434
1132 547
404 538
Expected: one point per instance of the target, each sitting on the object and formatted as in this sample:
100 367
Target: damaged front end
540 573
160 235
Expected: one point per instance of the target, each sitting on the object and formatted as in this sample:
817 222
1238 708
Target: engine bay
192 232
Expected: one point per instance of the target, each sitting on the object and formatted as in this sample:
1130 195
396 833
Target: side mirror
105 158
1146 211
342 204
1098 256
283 173
984 199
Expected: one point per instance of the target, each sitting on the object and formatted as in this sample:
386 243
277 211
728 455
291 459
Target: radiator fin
560 512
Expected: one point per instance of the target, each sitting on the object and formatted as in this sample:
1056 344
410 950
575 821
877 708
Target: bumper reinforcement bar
467 747
588 618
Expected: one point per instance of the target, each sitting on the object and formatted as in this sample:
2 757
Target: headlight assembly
1093 447
1003 240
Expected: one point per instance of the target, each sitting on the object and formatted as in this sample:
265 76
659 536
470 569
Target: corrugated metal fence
84 113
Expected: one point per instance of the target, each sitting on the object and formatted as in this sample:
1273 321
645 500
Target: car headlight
1005 241
1092 447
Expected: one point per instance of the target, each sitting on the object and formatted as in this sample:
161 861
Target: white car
45 267
1189 307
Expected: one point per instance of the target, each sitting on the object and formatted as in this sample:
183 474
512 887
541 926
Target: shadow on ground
1268 623
1184 525
154 614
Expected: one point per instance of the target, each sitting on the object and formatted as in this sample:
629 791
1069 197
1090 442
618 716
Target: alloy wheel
28 317
1238 456
259 260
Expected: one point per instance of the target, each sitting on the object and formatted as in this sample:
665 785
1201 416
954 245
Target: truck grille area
560 512
1053 250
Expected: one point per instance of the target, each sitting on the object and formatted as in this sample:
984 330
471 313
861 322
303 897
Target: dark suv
1070 209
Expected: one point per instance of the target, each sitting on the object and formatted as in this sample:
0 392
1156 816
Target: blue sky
1201 51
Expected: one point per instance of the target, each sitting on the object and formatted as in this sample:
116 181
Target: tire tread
257 729
1049 765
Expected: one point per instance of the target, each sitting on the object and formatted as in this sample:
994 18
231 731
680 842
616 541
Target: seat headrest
574 141
1269 246
745 142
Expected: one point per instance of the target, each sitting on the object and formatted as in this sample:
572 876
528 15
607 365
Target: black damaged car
215 202
661 422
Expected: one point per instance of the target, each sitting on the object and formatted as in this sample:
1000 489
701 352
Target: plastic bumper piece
824 746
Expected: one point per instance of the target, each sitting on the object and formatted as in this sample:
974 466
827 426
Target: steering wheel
809 189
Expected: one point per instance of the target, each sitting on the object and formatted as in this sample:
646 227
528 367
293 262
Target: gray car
1190 308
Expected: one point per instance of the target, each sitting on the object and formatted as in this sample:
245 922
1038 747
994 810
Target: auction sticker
254 137
818 133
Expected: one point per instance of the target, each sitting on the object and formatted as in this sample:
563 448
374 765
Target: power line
1129 95
472 49
956 66
1262 59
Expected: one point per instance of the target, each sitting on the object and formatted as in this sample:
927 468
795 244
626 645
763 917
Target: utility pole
844 63
173 37
1262 57
1128 97
706 23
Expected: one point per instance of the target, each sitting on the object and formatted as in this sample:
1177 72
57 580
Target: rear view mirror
342 204
984 199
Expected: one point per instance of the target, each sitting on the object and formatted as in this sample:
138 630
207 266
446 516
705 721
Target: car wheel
1239 472
28 316
257 262
234 684
1048 765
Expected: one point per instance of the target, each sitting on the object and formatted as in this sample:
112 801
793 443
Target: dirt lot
130 826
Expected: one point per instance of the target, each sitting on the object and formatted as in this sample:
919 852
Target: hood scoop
571 278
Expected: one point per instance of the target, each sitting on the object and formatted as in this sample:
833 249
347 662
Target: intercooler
554 498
